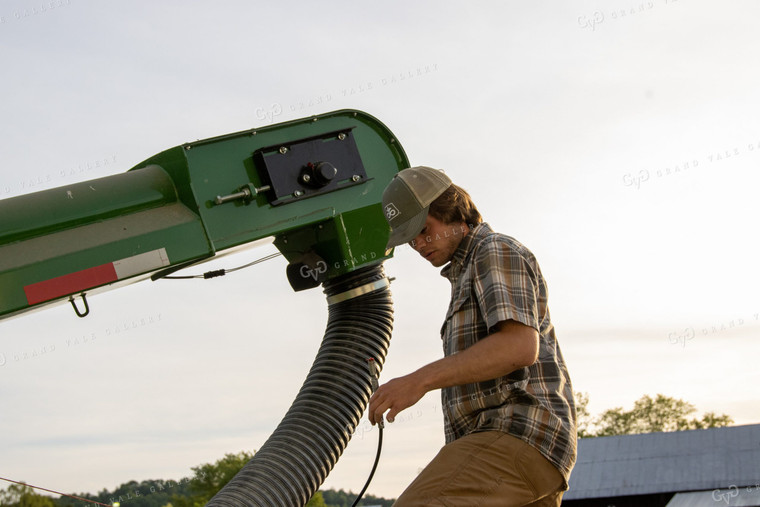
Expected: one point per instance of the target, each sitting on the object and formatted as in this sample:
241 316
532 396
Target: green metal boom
314 184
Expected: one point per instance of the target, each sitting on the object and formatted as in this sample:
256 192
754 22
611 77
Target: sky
618 140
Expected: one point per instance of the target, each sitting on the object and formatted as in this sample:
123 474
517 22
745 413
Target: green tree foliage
713 420
317 500
376 500
583 415
193 491
151 493
342 498
649 415
210 478
21 495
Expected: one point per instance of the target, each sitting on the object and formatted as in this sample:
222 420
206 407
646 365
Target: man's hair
455 205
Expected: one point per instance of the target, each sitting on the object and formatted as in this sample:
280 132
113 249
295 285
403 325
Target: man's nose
418 243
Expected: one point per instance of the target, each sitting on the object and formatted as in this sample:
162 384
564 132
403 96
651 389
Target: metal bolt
298 193
355 177
305 178
341 136
283 150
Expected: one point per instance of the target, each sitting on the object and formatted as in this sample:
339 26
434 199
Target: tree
186 492
341 498
582 414
713 420
210 478
317 500
21 495
648 415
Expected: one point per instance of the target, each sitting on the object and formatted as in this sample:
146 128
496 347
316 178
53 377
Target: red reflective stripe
67 284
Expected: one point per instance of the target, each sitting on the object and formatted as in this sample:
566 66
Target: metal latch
246 193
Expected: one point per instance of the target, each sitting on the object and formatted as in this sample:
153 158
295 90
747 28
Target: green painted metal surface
165 212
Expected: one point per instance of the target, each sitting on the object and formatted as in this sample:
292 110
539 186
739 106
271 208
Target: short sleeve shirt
495 278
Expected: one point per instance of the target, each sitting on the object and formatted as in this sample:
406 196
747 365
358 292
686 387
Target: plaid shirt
494 278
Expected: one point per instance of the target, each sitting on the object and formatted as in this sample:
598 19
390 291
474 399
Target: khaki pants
486 469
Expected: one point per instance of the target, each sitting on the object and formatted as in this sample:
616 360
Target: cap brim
408 230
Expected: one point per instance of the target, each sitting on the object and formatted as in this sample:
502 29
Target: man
507 399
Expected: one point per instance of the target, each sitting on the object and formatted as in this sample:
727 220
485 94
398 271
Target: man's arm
512 346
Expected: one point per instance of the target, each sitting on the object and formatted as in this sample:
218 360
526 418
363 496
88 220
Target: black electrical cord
221 272
374 374
374 466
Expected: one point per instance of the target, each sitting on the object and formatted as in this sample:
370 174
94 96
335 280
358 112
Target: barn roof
679 461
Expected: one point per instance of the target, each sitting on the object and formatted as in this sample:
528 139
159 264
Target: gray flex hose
298 456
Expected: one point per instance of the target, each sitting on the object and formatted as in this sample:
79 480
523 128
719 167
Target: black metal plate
284 163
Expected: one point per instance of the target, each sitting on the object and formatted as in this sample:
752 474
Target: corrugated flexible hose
296 459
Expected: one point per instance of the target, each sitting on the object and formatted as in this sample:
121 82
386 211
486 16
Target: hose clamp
358 291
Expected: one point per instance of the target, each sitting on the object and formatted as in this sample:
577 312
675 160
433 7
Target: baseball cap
407 198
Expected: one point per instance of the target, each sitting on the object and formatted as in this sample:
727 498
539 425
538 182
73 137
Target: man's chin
435 261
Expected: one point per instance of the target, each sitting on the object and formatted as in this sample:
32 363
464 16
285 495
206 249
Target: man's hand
512 346
395 396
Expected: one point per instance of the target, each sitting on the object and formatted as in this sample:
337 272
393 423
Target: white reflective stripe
141 263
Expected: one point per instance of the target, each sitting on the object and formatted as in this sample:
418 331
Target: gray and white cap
407 198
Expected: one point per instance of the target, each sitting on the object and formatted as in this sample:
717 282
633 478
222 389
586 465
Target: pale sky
621 149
